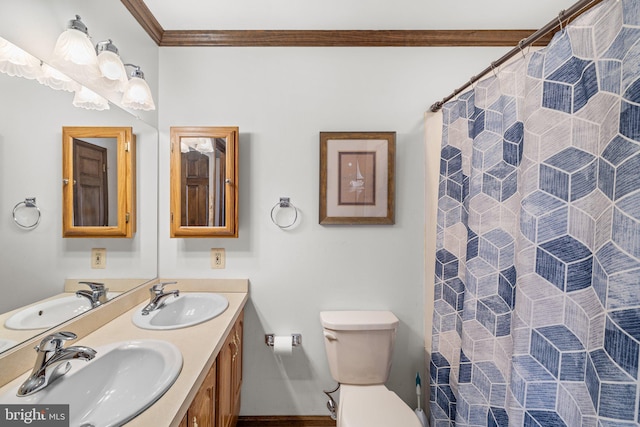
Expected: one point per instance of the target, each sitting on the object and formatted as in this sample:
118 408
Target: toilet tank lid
358 320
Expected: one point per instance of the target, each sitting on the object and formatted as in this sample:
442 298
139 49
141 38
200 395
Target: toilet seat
373 406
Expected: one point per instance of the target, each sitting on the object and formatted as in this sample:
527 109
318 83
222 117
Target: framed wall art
357 177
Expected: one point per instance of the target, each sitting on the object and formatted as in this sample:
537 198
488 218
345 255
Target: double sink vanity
164 354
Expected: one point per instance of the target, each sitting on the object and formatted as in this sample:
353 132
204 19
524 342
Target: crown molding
145 18
345 38
322 38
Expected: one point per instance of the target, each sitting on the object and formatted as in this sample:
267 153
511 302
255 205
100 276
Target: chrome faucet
97 295
52 361
157 297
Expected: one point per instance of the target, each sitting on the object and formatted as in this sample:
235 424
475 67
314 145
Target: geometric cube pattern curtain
537 285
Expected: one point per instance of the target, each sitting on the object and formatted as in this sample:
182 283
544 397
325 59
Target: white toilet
359 346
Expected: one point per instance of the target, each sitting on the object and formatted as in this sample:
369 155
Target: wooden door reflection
90 186
195 181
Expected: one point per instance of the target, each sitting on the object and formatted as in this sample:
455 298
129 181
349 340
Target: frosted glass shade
111 66
89 100
16 62
74 46
203 145
137 95
56 79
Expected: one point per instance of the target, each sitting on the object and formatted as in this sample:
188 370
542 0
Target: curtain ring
472 81
493 69
29 202
520 43
560 17
284 203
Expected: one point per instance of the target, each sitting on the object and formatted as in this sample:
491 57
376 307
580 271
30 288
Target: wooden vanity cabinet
229 363
202 412
217 403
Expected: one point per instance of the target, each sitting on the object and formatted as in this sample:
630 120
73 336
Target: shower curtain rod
552 25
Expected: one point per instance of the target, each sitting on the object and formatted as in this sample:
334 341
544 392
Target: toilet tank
359 345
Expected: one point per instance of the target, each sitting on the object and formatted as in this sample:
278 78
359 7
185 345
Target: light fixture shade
16 62
111 66
205 145
74 46
202 145
56 79
137 95
89 100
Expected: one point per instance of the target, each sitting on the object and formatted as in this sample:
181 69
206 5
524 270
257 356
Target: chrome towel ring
284 203
29 202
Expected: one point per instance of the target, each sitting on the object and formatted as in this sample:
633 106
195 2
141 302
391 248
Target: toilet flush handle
330 336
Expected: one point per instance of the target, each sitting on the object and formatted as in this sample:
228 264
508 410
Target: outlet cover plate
218 258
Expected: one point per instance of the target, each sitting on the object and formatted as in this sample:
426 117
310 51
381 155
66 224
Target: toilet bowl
373 406
359 347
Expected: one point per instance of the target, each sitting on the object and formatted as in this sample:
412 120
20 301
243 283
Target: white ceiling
354 14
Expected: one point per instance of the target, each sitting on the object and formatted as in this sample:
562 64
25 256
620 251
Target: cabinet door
224 405
230 377
236 368
202 410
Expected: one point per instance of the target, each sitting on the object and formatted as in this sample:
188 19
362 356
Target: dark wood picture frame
357 178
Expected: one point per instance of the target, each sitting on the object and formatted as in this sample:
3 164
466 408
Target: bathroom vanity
207 390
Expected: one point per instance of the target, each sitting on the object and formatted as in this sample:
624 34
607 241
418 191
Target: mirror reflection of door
202 169
91 183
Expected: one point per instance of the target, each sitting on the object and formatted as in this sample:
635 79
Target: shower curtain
537 285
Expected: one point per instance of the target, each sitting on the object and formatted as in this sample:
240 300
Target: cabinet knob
195 422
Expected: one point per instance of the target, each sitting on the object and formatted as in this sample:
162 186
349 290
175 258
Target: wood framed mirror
98 182
204 181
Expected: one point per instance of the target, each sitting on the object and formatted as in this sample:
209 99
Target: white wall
281 98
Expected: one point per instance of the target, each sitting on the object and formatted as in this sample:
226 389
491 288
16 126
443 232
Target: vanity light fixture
17 62
89 100
137 94
111 66
76 56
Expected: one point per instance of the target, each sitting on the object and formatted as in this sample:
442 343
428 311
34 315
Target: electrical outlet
217 258
98 258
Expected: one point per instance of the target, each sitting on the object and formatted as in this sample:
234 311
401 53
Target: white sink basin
123 380
189 309
50 313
